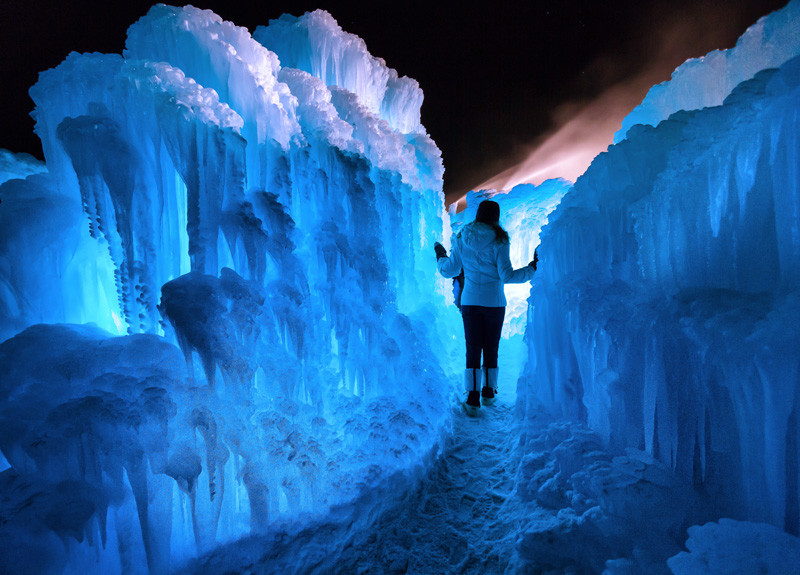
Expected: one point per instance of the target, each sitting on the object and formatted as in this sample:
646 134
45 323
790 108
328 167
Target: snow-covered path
460 517
490 503
456 521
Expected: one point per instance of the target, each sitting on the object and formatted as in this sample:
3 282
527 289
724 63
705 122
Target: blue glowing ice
220 310
666 312
263 235
703 82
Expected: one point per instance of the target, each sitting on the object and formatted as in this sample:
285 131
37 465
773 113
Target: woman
482 249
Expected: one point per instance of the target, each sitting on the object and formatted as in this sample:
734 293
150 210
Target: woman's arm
506 272
450 267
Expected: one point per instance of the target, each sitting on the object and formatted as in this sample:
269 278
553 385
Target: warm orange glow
582 130
571 147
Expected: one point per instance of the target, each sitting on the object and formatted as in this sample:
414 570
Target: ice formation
666 312
247 222
219 310
18 166
586 510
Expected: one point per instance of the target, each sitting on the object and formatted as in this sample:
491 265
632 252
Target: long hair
489 214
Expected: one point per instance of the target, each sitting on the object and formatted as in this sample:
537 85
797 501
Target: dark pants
482 327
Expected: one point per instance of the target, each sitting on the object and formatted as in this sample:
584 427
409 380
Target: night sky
499 78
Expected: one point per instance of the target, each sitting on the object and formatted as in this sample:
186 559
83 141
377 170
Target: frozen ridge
667 312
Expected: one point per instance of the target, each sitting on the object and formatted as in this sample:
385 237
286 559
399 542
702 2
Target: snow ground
460 519
457 519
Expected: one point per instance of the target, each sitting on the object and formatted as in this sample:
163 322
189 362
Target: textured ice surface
737 548
587 511
707 81
667 306
52 270
460 517
85 424
317 44
160 468
263 235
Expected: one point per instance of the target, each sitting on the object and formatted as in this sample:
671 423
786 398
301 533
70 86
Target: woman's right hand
440 251
535 260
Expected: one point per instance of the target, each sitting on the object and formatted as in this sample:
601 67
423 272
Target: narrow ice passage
257 213
460 517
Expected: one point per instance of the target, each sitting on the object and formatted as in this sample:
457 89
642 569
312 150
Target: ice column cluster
268 203
666 312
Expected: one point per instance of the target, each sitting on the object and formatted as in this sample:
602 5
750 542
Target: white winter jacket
486 266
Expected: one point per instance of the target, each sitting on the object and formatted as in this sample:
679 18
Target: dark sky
498 77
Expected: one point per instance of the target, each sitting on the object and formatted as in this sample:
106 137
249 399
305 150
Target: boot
489 391
472 383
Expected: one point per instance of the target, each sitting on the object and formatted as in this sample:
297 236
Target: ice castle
220 312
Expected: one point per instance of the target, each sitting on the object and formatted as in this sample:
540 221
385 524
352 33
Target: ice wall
708 80
135 140
666 309
44 242
261 232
